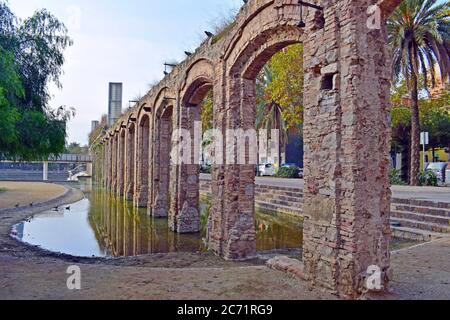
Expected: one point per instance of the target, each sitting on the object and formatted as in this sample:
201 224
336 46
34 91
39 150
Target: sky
121 41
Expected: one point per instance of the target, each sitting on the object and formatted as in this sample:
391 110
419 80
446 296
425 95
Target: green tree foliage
435 119
206 115
76 148
285 84
419 33
31 57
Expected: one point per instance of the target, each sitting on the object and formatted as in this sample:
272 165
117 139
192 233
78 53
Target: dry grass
24 193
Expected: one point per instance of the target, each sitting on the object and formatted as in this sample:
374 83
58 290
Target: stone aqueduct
346 134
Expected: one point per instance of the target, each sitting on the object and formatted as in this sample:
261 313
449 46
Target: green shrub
428 178
395 179
288 173
206 169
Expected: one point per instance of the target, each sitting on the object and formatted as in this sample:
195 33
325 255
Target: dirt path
423 272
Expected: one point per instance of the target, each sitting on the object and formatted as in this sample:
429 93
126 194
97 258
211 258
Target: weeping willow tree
31 57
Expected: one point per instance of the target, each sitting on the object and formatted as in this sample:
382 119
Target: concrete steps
433 211
420 220
262 205
424 226
415 234
426 218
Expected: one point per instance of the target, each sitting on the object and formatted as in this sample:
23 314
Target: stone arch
336 228
246 58
196 84
144 131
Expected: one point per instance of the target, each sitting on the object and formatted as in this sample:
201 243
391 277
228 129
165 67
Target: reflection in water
102 226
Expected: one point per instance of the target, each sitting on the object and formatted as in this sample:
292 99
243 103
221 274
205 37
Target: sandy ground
25 193
29 273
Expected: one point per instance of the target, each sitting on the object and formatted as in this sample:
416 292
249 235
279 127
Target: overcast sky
121 41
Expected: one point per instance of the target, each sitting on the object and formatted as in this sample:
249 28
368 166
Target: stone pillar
347 140
121 165
114 158
186 218
231 225
108 164
45 171
89 167
142 184
161 163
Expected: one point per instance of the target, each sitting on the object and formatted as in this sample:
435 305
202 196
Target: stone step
278 208
427 226
280 197
422 210
415 234
280 192
441 220
280 203
271 197
421 203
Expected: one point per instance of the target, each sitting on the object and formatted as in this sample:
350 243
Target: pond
104 226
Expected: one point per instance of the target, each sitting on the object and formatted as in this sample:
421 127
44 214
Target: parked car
289 165
267 170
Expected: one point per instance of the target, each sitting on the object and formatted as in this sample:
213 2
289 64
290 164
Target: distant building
115 102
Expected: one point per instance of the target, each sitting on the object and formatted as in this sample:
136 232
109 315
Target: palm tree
419 33
268 113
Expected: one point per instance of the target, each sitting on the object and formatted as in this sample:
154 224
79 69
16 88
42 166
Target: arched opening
162 162
130 162
196 118
142 183
237 211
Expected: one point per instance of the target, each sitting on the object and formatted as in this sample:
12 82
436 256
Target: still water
104 226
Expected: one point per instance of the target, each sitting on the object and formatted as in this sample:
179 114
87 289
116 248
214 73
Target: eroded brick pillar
114 166
231 225
130 163
162 164
142 183
185 214
110 161
121 164
347 141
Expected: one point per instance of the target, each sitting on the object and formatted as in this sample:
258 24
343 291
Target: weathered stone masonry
346 133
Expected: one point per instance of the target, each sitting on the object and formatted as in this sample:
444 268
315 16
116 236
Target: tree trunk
415 133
